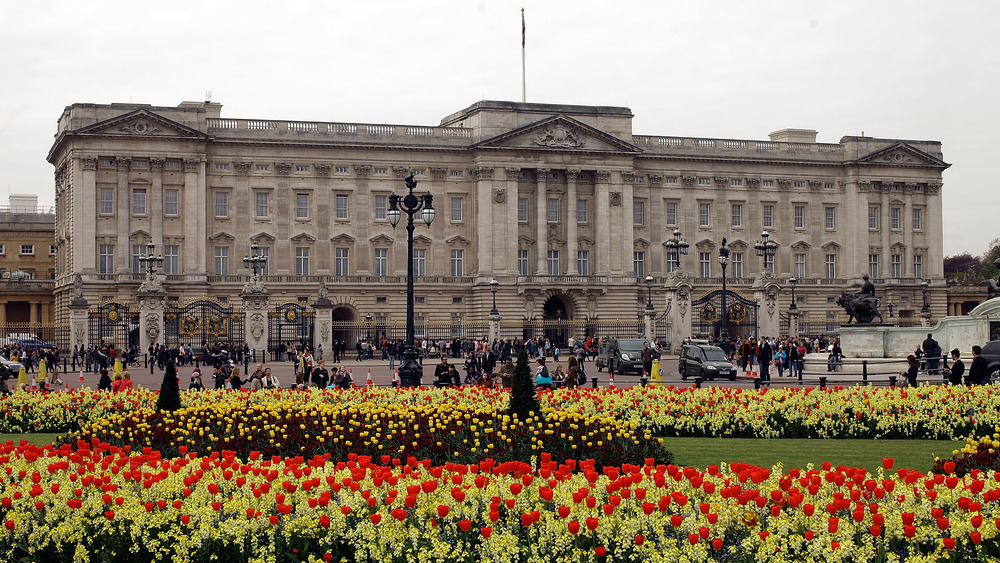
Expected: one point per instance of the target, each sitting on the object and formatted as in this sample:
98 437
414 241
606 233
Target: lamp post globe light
150 262
793 306
675 248
254 262
766 248
649 294
494 284
368 327
409 370
724 261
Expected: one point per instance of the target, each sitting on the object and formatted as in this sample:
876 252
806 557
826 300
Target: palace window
896 265
638 212
831 266
522 210
768 213
342 170
260 204
301 168
671 213
894 218
381 261
918 266
704 181
381 204
139 202
873 265
264 267
737 264
800 216
340 204
138 266
263 167
301 206
171 202
639 263
552 210
917 219
705 264
222 204
831 217
800 265
302 261
106 259
342 261
522 262
27 250
222 260
553 262
873 218
457 256
456 209
737 214
798 184
419 262
704 213
581 211
107 196
583 262
171 259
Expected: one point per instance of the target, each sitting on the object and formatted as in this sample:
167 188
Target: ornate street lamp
255 262
926 309
675 247
368 327
724 261
891 308
766 248
150 262
409 370
494 284
649 294
793 306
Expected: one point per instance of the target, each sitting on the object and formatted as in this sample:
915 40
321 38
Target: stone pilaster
571 227
78 320
324 321
152 301
678 294
541 222
494 327
765 292
602 228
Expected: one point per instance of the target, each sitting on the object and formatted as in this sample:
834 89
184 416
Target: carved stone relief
688 181
89 163
784 183
616 198
242 167
512 173
815 184
282 168
363 170
323 169
152 326
753 183
192 165
499 195
559 136
438 173
602 176
257 325
721 182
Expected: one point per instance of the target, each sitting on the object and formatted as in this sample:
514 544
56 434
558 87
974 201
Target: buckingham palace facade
564 205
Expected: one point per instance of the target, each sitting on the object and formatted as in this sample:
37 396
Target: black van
624 355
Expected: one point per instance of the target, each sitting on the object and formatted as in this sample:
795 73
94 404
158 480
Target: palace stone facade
564 205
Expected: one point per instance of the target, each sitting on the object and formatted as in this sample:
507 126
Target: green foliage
988 269
523 399
170 392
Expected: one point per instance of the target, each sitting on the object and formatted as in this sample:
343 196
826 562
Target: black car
991 353
623 355
705 361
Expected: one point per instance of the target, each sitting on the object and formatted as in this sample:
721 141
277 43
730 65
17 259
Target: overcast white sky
733 69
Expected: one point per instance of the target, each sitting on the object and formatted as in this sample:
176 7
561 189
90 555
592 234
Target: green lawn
702 452
913 454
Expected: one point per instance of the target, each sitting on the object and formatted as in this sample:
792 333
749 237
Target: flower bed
930 412
440 433
96 502
981 454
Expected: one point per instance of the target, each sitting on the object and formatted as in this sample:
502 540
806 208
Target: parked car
34 343
623 355
991 353
11 365
705 361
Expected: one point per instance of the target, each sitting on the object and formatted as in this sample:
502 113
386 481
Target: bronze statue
863 305
993 286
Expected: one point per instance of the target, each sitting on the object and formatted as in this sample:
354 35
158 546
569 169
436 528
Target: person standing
979 371
933 352
647 356
764 359
956 370
911 370
320 376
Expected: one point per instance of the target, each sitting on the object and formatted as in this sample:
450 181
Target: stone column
324 324
793 322
510 219
541 222
489 227
152 301
494 327
678 295
256 304
602 226
648 323
33 312
82 249
571 232
196 243
3 312
123 250
765 293
78 319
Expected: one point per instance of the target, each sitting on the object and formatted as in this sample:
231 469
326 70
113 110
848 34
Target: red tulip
464 525
110 515
693 539
9 524
185 519
486 531
592 523
442 510
375 518
809 535
887 463
717 544
640 539
976 537
949 543
573 526
600 551
324 521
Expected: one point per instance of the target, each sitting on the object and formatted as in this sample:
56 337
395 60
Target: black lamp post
724 261
926 309
368 327
254 262
766 248
791 283
891 308
494 284
675 247
649 294
150 262
409 370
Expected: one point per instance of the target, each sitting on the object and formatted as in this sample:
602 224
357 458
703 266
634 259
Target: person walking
979 371
957 369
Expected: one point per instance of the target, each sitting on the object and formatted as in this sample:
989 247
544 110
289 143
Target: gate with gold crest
114 322
203 321
707 317
290 322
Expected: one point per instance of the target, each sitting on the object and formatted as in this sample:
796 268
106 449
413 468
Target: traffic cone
611 383
81 376
368 380
395 378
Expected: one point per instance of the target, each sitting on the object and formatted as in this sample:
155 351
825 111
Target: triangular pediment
342 238
458 239
141 123
902 154
421 240
140 234
303 238
222 236
382 240
559 133
264 238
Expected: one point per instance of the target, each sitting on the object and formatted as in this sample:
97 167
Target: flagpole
524 97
